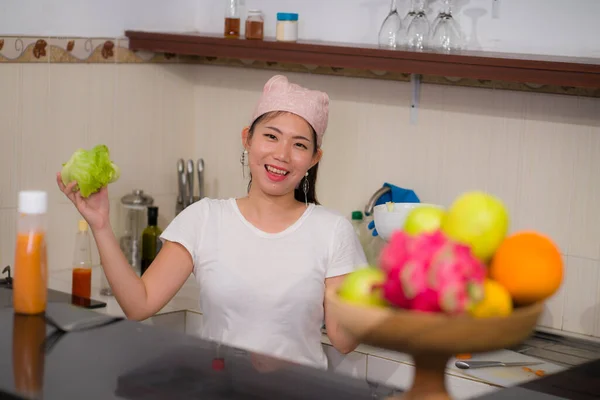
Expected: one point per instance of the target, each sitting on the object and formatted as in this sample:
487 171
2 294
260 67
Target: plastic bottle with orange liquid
30 284
82 263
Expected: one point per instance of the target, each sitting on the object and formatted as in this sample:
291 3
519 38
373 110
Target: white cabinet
389 373
462 388
399 375
353 364
174 321
193 323
358 365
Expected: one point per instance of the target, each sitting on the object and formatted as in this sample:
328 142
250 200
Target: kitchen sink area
559 349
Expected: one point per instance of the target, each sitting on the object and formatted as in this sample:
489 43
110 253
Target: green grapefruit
361 287
423 219
478 220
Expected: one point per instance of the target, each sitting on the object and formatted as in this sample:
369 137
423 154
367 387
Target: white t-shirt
261 291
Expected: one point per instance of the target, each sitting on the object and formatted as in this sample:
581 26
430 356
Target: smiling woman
264 261
268 125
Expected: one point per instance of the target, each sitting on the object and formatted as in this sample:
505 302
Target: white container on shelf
287 27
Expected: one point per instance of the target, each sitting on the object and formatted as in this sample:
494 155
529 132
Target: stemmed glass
417 31
446 34
390 32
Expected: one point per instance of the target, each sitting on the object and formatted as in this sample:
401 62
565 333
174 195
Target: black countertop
130 360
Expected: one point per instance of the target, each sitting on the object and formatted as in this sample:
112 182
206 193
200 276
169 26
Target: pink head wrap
281 95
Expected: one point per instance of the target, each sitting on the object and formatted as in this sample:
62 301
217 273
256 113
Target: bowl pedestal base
432 339
429 382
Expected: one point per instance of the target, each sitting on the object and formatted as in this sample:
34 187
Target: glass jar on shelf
255 25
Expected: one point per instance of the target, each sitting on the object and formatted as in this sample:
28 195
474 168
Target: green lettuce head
92 169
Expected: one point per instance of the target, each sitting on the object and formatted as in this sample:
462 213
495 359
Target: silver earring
305 188
244 162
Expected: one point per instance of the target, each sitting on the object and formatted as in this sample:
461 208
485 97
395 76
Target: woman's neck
270 213
264 204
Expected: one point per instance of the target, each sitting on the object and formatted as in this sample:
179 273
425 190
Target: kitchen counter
128 360
186 301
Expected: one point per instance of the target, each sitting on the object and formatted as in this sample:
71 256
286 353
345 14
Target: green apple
423 219
359 287
478 220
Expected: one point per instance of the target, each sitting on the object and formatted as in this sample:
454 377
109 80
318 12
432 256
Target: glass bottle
364 236
30 281
232 19
82 263
254 25
151 243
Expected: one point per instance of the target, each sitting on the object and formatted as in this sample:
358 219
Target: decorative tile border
16 49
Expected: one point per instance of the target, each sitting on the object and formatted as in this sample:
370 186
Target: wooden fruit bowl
431 338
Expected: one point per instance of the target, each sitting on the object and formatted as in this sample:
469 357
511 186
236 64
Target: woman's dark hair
311 194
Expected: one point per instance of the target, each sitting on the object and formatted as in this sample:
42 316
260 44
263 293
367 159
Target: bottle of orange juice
30 276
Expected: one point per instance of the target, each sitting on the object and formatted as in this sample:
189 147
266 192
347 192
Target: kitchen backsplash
538 152
57 95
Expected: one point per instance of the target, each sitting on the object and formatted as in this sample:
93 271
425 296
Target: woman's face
280 152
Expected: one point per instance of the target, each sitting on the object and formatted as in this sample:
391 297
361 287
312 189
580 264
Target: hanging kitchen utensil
200 168
190 178
180 186
183 186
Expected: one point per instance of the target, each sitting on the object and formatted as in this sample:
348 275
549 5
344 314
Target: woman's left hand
340 337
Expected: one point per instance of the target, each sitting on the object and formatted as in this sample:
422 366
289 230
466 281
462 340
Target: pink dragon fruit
431 273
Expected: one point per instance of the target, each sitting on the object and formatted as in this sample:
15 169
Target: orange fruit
529 266
497 301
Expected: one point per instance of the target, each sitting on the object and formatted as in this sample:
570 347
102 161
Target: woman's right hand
95 208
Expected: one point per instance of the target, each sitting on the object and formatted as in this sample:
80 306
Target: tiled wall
540 153
66 99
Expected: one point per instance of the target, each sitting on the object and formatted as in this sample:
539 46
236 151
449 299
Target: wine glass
446 34
390 32
417 31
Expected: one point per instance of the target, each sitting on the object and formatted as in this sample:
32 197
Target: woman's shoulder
328 217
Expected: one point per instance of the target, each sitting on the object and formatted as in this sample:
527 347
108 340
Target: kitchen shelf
479 65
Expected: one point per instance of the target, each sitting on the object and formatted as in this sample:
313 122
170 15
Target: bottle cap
152 215
287 16
82 225
33 202
357 215
153 212
253 11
